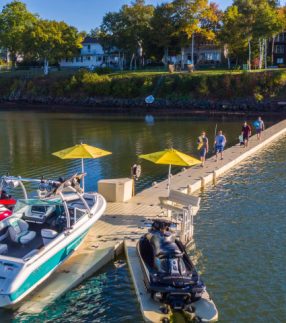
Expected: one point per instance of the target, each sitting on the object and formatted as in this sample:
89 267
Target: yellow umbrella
81 151
171 157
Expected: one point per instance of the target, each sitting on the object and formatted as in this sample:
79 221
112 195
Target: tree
211 21
187 17
280 27
231 35
163 29
267 25
49 40
15 19
129 28
250 24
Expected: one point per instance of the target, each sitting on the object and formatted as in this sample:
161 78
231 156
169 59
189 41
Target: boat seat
19 231
3 249
3 232
39 214
48 235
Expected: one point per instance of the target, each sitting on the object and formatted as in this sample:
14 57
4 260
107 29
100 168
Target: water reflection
30 138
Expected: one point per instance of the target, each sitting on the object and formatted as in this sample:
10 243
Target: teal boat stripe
46 267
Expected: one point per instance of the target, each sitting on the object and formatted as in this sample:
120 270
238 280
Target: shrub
103 70
94 84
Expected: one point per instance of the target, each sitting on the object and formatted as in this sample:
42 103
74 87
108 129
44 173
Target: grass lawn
210 72
36 72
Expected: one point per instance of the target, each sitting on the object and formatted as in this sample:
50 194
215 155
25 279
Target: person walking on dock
246 133
219 144
259 127
203 147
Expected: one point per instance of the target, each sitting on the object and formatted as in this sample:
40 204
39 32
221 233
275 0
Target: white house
91 55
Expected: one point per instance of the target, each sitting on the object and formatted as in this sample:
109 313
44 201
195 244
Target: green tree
163 29
187 21
15 19
267 25
231 35
129 28
248 25
50 41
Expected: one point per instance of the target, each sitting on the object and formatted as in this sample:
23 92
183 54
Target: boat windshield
21 204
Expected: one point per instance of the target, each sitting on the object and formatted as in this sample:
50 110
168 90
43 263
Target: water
28 140
240 230
241 235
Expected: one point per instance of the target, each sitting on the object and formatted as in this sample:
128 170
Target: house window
98 58
88 48
212 56
279 49
280 60
88 58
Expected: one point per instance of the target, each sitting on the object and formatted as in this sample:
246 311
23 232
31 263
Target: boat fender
149 99
136 171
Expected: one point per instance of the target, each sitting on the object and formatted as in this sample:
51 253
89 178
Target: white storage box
116 190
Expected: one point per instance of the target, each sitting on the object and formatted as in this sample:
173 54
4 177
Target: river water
240 231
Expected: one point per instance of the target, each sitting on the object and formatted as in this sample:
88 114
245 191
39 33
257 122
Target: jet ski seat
164 246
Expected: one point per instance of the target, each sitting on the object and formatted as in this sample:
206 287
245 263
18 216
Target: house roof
90 40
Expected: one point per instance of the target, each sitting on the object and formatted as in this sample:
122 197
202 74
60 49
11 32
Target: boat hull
25 276
41 273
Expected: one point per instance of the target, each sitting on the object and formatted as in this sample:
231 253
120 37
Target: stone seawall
138 105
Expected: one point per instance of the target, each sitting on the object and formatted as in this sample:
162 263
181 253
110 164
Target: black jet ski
169 274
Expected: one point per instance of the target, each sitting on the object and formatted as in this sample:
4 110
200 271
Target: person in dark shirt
246 133
203 147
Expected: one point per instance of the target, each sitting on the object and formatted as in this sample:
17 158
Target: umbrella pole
169 178
82 170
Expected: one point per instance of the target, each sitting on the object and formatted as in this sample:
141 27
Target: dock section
125 221
150 310
104 241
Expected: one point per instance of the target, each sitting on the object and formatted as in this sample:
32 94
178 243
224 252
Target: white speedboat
42 233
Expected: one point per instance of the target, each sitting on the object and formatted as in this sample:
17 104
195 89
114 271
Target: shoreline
135 107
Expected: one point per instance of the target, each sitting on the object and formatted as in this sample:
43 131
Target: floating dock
150 309
125 222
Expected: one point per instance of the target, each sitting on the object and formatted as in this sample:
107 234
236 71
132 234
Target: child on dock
219 144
